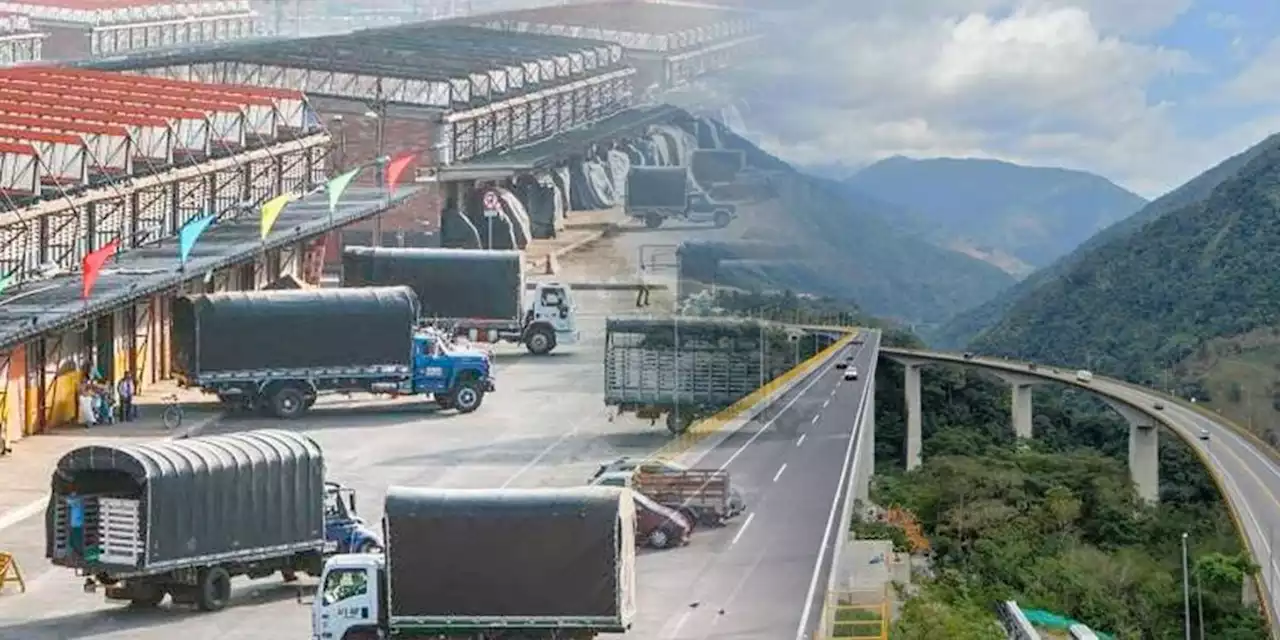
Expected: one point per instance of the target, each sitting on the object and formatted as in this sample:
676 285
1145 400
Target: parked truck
484 564
686 368
655 194
480 295
183 517
279 350
703 496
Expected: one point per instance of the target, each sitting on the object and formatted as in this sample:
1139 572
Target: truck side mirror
351 502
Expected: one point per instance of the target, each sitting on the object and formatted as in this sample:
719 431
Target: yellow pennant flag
271 210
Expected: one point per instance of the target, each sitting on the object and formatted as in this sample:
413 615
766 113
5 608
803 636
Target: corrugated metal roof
210 454
117 118
623 15
38 307
103 12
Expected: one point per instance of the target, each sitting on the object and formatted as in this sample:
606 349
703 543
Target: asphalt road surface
752 579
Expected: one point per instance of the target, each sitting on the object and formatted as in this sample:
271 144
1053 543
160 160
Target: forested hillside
963 328
856 251
1139 306
1032 214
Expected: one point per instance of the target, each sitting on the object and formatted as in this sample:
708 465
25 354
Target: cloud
1041 83
1259 81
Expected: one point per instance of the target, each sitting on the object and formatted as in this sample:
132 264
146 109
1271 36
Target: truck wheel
288 403
653 221
466 397
215 589
540 341
678 425
659 538
722 219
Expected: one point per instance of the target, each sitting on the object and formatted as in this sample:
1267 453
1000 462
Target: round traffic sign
490 200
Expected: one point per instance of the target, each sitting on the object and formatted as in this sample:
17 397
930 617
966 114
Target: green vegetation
1052 523
965 326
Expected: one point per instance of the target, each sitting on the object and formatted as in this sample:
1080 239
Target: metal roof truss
631 39
684 67
527 118
291 113
61 162
138 12
120 38
19 172
141 139
20 47
150 208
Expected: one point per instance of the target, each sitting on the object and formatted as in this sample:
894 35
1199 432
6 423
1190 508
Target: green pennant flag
7 280
337 186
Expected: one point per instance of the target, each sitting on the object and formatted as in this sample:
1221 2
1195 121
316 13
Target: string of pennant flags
91 265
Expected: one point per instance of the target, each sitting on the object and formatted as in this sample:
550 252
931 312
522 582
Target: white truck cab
550 317
349 599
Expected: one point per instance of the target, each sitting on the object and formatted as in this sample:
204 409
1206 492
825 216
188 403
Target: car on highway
1204 435
851 373
1159 406
844 364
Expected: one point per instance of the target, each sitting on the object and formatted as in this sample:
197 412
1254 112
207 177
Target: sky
1148 93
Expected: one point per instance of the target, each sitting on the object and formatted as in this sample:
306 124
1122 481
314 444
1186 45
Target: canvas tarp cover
509 553
293 329
212 495
657 187
450 283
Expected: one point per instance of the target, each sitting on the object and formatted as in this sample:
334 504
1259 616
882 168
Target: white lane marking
14 516
779 473
826 402
833 391
743 529
551 447
835 507
800 440
759 432
815 418
684 617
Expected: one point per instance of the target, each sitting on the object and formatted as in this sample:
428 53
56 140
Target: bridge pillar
911 385
1021 402
1144 450
867 446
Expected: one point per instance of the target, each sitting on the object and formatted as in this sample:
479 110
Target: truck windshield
341 584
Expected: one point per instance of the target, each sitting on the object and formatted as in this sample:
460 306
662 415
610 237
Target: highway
764 576
1248 474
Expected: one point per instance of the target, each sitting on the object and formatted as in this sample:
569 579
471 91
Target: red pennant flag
91 266
395 168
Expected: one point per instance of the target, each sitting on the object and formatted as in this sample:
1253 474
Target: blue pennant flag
189 233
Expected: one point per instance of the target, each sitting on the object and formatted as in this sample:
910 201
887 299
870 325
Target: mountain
961 329
1016 217
855 249
1192 297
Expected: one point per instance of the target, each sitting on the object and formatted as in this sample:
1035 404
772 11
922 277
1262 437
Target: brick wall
415 222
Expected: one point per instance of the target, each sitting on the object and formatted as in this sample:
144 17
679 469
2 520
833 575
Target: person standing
88 403
642 292
125 389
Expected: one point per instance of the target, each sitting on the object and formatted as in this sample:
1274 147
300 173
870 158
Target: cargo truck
703 496
183 517
487 564
279 350
686 368
480 295
655 194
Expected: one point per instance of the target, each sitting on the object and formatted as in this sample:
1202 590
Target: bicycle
172 415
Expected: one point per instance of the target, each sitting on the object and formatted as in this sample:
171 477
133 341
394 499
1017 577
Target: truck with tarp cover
279 350
183 517
687 367
488 564
655 194
480 295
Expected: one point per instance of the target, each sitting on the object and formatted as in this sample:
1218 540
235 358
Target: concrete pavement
764 576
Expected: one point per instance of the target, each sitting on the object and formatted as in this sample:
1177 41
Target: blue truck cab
456 378
344 530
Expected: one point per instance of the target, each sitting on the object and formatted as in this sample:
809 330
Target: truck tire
660 538
678 425
653 221
540 341
214 589
722 219
466 397
288 403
